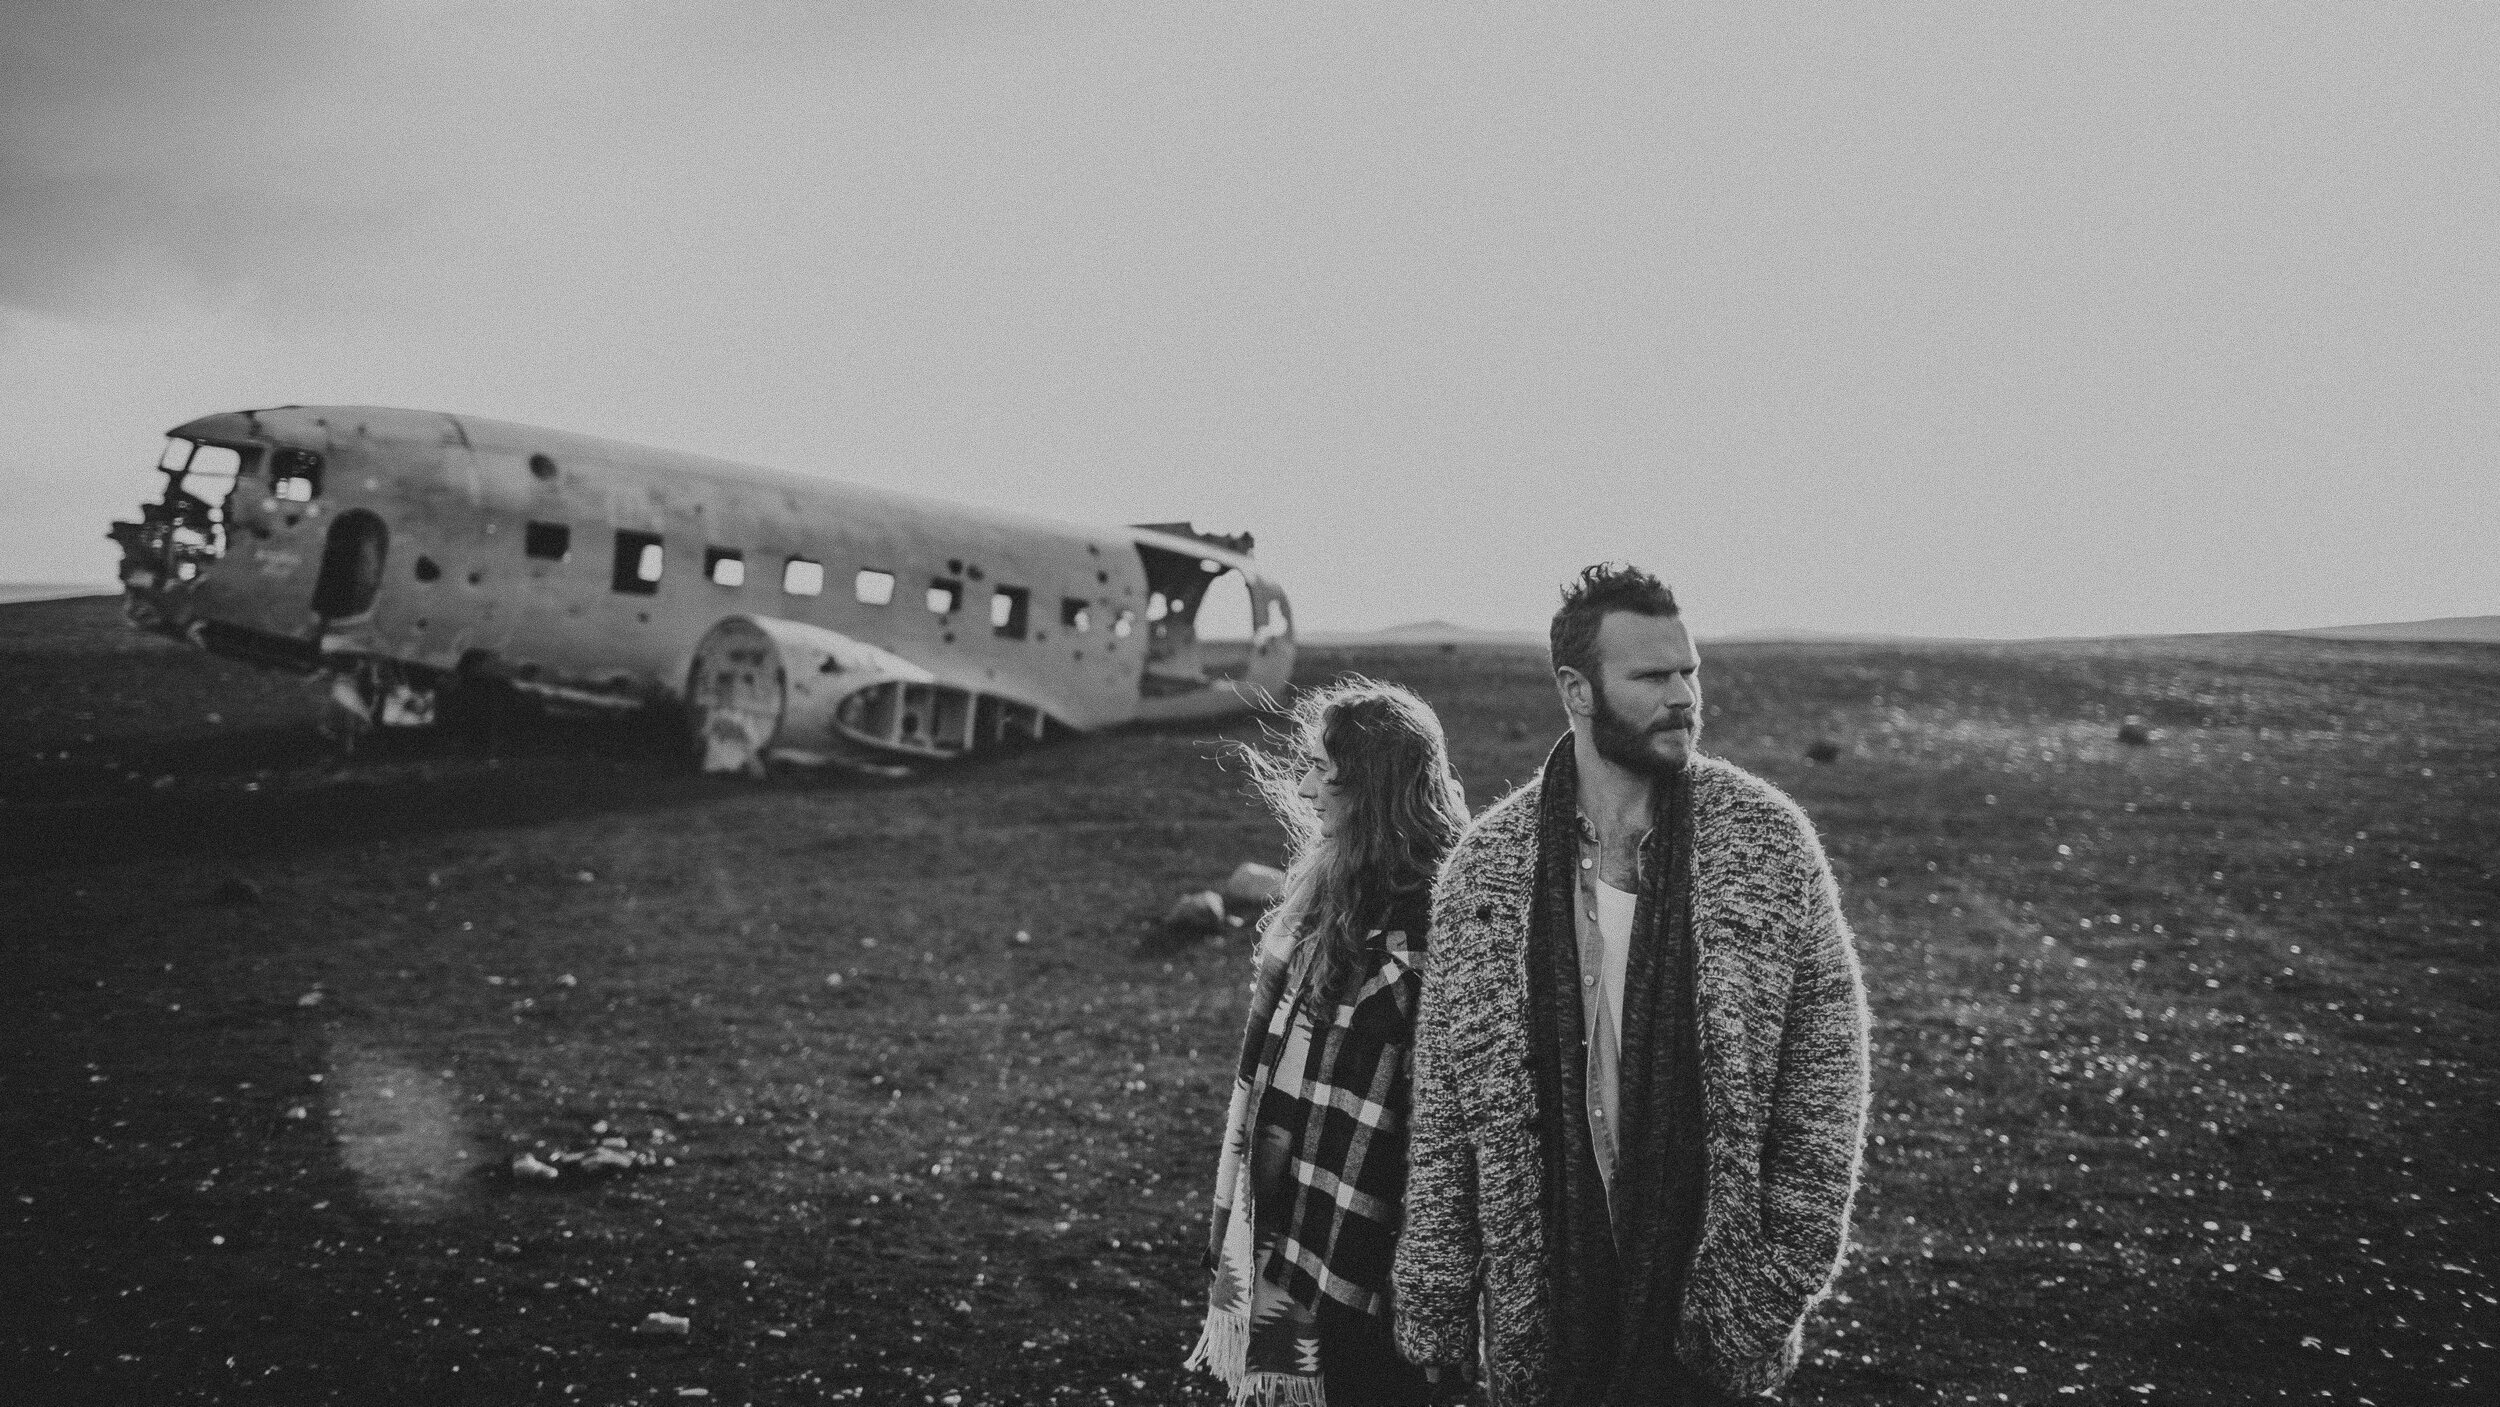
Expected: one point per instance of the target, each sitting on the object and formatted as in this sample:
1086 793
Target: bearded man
1640 1064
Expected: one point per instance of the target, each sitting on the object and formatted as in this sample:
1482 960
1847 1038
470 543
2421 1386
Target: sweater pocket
1741 1315
1735 1084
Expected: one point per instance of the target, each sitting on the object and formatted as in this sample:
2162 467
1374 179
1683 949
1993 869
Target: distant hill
1424 632
1815 637
13 591
2470 629
2484 630
1442 632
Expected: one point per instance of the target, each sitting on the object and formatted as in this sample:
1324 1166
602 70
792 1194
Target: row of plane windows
642 558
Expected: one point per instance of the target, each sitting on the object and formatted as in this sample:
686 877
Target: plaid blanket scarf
1333 1117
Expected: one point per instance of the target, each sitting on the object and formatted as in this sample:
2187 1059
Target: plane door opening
351 566
1201 622
1224 627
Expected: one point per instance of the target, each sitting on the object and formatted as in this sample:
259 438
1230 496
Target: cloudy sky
1975 320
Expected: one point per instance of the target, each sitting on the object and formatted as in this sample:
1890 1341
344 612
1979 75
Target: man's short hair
1586 600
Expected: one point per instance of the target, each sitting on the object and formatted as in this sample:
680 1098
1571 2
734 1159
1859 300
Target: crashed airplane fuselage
414 555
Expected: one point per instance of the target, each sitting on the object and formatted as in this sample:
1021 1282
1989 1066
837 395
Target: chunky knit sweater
1783 1036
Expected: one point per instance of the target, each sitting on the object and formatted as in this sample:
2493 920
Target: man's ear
1579 700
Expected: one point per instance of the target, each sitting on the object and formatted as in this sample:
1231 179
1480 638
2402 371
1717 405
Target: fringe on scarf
1280 1390
1224 1351
1223 1348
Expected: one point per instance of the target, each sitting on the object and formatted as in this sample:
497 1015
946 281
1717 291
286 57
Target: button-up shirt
1602 918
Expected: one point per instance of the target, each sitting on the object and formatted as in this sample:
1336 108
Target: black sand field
2186 1051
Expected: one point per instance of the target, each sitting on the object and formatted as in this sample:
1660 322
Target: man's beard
1628 747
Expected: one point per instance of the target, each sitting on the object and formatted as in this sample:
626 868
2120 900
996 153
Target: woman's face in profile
1319 787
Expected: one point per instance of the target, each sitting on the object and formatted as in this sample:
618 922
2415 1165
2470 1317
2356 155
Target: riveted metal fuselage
589 569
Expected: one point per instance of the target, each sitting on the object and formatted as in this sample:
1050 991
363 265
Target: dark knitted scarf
1618 1281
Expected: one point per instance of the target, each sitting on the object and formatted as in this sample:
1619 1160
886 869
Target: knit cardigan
1783 1034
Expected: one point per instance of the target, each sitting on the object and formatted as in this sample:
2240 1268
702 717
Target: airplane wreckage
416 558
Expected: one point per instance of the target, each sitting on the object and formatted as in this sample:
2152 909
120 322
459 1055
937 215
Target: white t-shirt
1614 929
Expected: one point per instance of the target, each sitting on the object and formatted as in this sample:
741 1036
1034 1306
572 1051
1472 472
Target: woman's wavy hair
1405 811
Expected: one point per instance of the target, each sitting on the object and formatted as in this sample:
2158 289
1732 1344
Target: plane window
944 596
725 566
1010 611
1075 615
216 461
295 475
873 587
801 577
639 561
196 476
548 540
1125 622
542 467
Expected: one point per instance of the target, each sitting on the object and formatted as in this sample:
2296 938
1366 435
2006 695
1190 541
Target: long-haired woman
1308 1192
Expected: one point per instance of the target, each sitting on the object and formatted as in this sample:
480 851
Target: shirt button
1599 1113
1589 981
1587 864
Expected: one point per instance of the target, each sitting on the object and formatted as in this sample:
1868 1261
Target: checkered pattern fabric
1347 1107
1332 1091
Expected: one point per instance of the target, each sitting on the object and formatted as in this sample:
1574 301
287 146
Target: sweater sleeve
1817 1120
1434 1273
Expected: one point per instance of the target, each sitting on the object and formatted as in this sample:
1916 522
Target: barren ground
2185 1084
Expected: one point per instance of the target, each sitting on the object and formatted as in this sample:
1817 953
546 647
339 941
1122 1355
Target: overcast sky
1976 320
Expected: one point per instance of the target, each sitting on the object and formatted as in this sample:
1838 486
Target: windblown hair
1404 811
1586 600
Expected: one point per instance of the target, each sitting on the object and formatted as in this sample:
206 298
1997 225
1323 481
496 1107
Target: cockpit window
189 459
185 528
199 478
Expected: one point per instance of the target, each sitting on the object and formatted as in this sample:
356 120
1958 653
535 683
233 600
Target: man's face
1647 693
